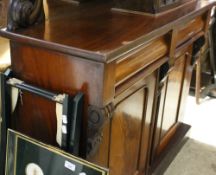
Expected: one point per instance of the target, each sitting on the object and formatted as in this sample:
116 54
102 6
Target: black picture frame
26 155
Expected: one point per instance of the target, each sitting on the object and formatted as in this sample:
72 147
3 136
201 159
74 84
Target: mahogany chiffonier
133 68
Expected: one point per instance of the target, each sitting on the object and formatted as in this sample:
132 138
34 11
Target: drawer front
190 29
135 62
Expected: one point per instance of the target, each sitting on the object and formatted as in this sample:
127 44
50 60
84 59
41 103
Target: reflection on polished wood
104 34
115 59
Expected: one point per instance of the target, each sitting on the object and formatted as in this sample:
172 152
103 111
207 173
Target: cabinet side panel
58 72
55 72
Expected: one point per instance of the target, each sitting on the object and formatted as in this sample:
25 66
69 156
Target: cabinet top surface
94 31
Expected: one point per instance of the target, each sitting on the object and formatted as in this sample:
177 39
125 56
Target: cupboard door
169 103
130 131
173 95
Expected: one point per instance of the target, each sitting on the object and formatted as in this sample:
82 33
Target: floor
198 154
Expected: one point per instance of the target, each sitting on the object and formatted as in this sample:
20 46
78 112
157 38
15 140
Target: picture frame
27 156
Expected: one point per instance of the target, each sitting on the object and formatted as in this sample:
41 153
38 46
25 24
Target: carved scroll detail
24 13
97 117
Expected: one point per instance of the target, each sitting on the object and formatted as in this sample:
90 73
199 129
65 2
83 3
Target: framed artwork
26 156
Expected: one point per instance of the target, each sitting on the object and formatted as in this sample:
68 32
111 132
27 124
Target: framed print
26 156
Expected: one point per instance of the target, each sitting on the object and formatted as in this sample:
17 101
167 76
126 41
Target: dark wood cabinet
134 71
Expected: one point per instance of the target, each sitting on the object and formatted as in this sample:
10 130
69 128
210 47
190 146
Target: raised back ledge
122 10
104 42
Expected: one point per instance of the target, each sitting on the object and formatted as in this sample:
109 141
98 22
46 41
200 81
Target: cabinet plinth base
176 139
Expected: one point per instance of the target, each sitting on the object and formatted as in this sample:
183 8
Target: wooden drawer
190 29
138 60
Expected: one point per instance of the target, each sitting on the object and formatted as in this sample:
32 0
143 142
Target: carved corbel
24 13
97 117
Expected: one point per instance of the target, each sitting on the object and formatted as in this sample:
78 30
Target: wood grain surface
92 30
